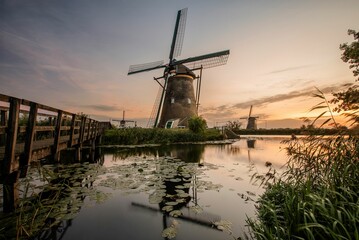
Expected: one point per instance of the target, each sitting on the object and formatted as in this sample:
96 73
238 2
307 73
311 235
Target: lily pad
175 213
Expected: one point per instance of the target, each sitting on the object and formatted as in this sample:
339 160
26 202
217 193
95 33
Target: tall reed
317 196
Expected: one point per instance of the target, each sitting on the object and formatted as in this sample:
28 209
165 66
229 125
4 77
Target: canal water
191 191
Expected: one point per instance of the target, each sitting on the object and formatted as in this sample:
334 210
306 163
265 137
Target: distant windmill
123 121
252 121
176 99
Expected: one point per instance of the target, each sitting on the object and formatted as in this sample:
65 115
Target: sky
75 54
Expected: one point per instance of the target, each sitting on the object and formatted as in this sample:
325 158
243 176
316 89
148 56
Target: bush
197 124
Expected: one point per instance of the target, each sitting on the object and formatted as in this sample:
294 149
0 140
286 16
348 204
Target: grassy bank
316 197
131 136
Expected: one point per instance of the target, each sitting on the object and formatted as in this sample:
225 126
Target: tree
197 124
234 125
347 101
351 53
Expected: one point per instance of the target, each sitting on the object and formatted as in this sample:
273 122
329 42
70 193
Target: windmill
252 121
123 121
176 99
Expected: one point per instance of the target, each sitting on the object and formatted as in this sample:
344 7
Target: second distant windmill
176 100
251 121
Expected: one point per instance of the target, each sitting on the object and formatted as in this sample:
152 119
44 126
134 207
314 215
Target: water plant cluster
168 182
53 195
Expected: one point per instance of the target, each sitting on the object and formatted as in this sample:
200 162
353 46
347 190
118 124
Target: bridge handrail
58 123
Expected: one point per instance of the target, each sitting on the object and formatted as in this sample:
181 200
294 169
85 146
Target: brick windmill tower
177 100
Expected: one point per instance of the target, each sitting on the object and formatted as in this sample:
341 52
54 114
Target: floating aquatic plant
171 231
175 213
196 209
224 225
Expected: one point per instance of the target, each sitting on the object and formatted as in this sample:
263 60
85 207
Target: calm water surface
189 190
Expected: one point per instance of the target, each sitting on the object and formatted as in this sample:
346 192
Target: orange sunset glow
76 56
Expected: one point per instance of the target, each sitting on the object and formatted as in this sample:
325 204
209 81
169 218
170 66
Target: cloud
102 108
230 110
289 69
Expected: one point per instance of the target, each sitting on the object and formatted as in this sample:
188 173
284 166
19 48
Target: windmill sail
156 106
145 67
178 34
250 112
206 61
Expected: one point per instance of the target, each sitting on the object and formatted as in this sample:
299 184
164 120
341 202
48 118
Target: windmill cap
183 70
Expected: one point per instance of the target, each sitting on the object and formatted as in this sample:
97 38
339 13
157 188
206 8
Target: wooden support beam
56 151
10 192
29 140
10 163
78 154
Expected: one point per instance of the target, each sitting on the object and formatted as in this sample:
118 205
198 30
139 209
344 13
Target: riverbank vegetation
133 136
197 132
317 196
289 131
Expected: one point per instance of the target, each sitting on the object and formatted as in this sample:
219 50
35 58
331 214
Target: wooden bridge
30 131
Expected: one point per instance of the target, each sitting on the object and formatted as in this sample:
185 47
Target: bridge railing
30 131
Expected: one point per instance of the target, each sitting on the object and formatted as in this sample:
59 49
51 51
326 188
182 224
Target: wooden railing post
92 129
88 129
29 139
10 164
3 117
97 129
72 130
93 133
82 130
56 152
80 140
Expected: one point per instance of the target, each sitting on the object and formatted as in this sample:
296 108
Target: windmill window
188 100
172 100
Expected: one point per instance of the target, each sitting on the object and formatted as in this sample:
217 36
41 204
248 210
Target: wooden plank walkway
30 131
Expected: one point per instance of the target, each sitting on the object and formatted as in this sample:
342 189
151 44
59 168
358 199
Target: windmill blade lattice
145 67
206 61
178 35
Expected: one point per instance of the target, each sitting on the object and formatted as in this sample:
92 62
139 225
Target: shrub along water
131 136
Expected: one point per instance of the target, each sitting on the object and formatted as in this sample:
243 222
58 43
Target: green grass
316 197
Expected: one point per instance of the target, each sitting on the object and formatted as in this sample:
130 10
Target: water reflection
251 143
175 191
194 186
51 196
185 152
